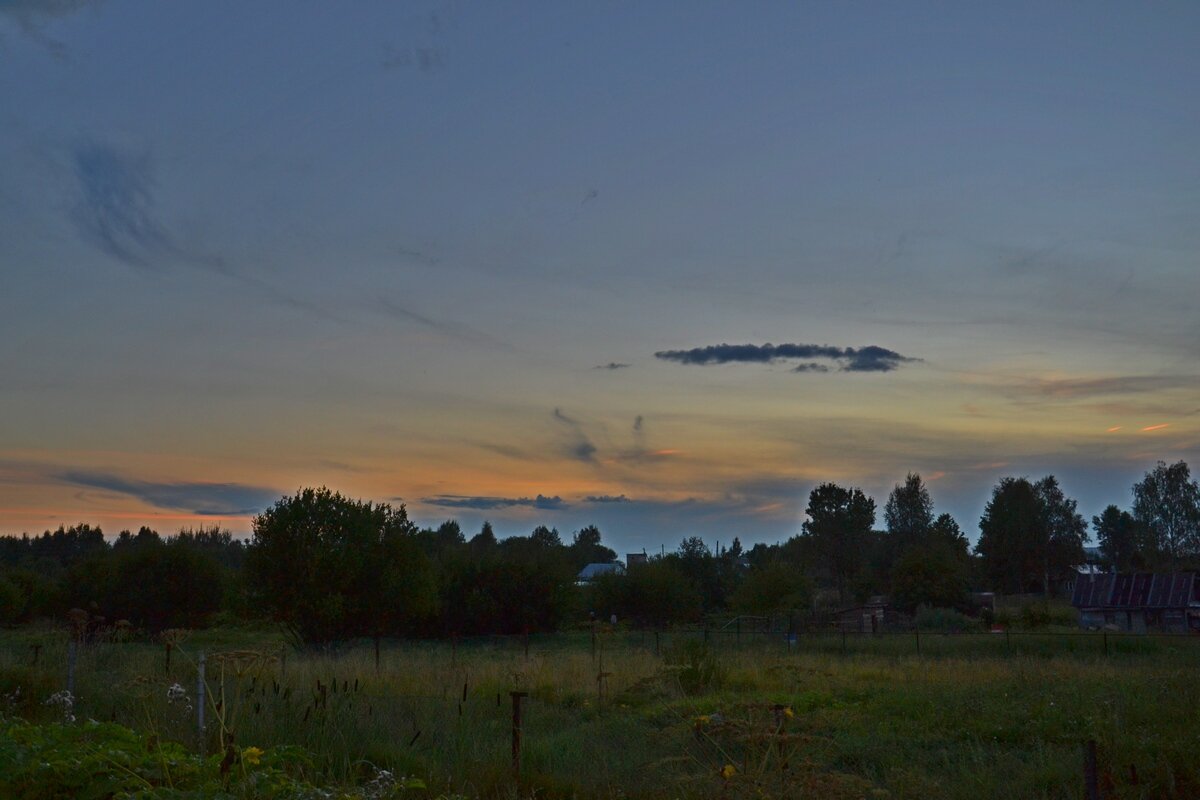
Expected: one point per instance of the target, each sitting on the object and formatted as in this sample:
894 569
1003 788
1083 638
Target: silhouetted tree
328 567
1062 534
1119 536
909 512
586 548
1166 503
1030 534
1009 532
839 524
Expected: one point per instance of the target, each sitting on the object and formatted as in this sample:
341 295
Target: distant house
593 571
1167 602
635 558
874 616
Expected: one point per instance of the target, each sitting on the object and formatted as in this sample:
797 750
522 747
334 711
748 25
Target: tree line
332 568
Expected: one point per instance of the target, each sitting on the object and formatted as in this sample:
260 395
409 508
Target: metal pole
200 691
1106 643
917 631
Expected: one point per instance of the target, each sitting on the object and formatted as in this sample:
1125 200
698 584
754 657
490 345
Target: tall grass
971 717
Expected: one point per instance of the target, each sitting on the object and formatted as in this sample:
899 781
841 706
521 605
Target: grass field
970 717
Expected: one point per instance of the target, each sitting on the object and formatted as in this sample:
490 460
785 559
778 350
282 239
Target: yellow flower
787 712
728 771
702 720
252 756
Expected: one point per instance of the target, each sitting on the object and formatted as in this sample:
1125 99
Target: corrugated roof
1134 590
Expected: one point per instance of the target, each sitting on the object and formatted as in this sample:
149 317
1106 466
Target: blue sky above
400 249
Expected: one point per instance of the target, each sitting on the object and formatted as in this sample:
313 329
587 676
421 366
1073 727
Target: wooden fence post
201 688
516 732
1091 786
72 652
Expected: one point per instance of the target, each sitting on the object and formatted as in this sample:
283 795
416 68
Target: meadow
672 716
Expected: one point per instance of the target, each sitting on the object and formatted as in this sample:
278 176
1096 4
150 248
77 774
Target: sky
661 267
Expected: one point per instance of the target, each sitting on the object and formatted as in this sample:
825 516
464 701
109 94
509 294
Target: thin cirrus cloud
206 499
487 503
612 365
606 498
871 358
115 211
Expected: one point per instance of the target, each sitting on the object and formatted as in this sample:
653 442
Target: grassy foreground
957 721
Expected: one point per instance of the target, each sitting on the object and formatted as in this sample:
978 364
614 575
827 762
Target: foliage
839 522
1030 534
1120 539
103 760
909 511
777 587
944 620
695 668
657 593
933 575
331 568
152 584
1166 502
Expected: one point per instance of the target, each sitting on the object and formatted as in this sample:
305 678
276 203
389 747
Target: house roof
594 570
1135 590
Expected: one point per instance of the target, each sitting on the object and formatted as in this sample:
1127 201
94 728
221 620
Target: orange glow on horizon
1156 427
1113 429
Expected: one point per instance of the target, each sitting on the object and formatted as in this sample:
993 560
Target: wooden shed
1141 602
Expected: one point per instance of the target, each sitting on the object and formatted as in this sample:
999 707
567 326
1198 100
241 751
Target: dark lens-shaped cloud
871 358
612 365
479 502
215 499
607 498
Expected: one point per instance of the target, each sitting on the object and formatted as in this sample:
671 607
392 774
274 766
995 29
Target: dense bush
945 620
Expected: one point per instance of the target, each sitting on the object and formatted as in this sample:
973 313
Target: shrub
945 620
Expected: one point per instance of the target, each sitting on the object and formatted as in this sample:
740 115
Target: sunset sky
658 266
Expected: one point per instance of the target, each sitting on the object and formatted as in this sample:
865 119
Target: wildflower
252 756
65 701
728 771
787 712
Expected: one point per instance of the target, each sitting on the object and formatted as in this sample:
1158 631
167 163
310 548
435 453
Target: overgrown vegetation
966 719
